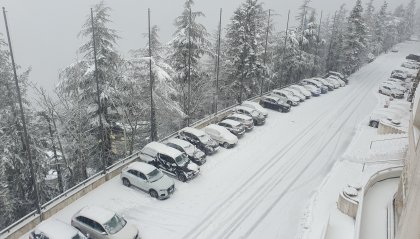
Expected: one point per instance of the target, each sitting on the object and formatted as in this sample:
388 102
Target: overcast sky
44 32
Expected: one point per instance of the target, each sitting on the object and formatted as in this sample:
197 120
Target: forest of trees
84 127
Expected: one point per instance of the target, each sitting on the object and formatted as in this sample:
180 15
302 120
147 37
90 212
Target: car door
87 226
132 177
142 181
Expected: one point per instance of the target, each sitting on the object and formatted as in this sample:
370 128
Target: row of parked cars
181 156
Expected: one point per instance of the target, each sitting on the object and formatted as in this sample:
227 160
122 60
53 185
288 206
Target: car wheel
182 177
126 182
226 145
393 96
153 193
375 124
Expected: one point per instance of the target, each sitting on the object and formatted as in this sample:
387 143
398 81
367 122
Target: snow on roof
179 142
163 149
55 229
193 131
222 130
244 108
98 214
273 97
241 116
231 122
142 167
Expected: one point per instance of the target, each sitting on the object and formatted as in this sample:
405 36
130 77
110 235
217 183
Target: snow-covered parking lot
258 189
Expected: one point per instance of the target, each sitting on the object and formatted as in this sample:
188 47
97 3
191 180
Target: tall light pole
22 118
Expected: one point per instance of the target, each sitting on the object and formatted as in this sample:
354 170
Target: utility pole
317 45
284 48
98 95
330 45
218 64
153 132
265 49
189 70
22 118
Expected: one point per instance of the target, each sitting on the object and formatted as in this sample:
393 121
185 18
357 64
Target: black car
194 154
200 139
413 57
274 103
235 127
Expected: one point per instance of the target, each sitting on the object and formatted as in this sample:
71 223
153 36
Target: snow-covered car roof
245 108
273 97
163 149
179 142
218 128
241 116
141 167
193 131
231 122
256 106
55 229
336 73
98 214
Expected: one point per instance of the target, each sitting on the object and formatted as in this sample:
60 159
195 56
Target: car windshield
115 224
155 175
181 160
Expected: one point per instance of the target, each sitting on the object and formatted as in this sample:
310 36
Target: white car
325 82
391 91
256 106
410 65
395 85
302 90
221 135
100 223
149 179
337 79
333 81
399 74
315 91
296 93
54 229
291 99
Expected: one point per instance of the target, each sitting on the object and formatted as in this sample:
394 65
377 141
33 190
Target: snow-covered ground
261 187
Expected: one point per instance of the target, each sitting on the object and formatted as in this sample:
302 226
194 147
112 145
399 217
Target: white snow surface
260 188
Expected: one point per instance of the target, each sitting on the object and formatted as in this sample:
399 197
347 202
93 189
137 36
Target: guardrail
17 229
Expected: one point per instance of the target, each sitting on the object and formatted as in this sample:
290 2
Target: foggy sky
44 32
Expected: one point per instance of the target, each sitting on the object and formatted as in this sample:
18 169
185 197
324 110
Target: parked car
169 160
255 106
394 85
200 139
258 118
296 93
247 121
399 74
333 81
235 127
275 103
149 179
54 229
315 83
221 135
302 90
394 49
390 91
381 114
195 155
291 99
325 82
411 65
413 57
100 223
337 74
337 79
315 91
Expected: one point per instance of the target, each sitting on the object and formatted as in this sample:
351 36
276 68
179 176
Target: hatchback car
195 155
255 106
275 103
246 120
399 74
100 223
235 127
296 93
291 99
149 179
200 139
302 90
315 83
221 135
257 117
391 91
54 229
326 83
315 91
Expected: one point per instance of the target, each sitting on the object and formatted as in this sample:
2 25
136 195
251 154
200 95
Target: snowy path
260 188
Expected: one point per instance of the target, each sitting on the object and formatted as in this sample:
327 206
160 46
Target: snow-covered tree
245 42
335 45
356 40
188 47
